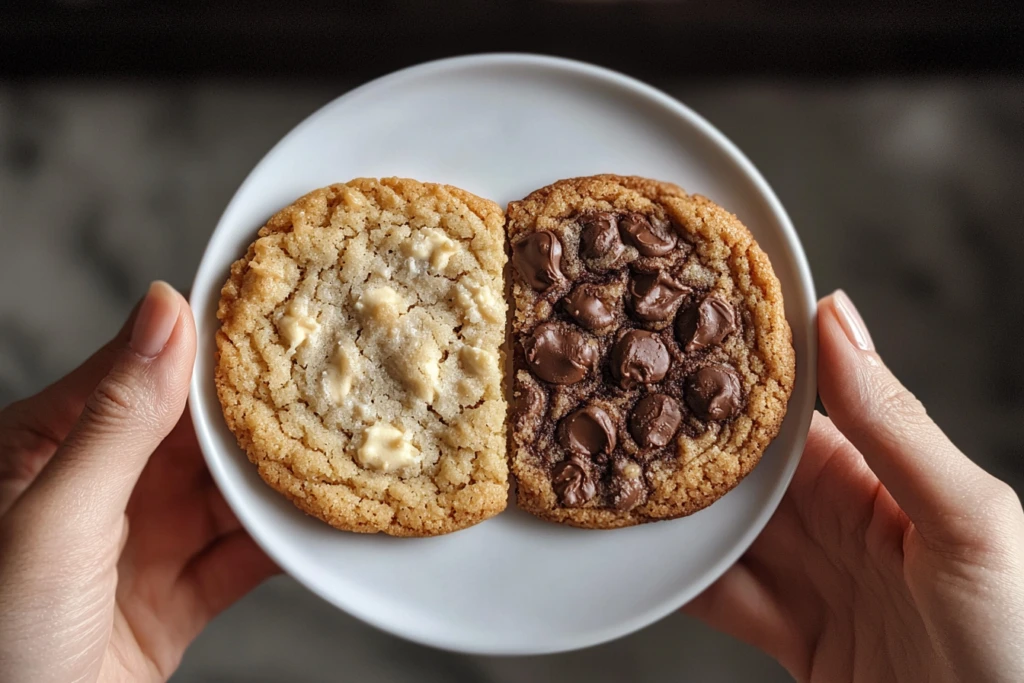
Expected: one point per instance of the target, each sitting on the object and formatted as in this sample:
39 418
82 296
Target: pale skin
891 558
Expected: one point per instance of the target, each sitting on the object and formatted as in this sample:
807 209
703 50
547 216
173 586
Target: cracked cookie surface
651 355
359 359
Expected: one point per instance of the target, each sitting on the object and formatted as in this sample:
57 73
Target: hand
115 546
892 557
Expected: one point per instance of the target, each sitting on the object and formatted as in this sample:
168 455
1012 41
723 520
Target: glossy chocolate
538 259
559 353
639 357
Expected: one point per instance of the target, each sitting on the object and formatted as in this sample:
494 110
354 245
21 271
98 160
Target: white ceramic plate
501 126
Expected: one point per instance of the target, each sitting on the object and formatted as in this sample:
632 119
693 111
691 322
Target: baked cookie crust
359 359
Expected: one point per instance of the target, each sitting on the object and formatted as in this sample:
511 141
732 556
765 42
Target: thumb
133 407
939 488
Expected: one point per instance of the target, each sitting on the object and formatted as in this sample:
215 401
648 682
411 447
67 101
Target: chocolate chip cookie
652 359
360 356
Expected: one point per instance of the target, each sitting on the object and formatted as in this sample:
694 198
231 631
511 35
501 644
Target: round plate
501 126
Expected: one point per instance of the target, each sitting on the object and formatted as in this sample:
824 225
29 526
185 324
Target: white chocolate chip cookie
359 357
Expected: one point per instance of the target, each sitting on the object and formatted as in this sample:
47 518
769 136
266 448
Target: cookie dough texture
634 434
360 352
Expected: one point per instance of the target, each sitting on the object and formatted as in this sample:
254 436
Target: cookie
359 359
651 355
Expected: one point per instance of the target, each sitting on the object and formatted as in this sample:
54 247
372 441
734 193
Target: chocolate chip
705 325
587 309
656 296
627 485
559 353
639 356
572 484
528 401
714 392
642 235
538 258
587 431
599 237
655 420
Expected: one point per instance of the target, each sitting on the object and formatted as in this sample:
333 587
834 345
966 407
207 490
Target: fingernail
852 323
155 320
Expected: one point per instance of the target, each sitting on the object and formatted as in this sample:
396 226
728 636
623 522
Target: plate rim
201 412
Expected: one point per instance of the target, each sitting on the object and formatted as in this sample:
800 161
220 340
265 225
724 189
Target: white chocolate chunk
342 372
385 448
478 302
380 306
419 369
431 245
297 325
479 362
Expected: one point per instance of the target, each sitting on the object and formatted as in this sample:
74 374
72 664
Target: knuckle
896 402
891 414
115 399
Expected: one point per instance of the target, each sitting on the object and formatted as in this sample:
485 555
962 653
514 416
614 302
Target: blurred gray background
905 185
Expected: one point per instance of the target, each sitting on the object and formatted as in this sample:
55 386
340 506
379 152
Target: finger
132 408
740 605
927 475
840 496
32 429
827 450
222 519
194 510
231 567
